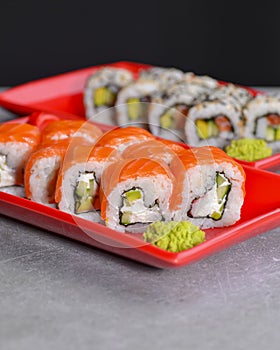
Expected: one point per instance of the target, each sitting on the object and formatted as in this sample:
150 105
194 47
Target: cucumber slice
222 191
84 205
84 193
133 195
125 218
220 179
216 215
223 188
81 189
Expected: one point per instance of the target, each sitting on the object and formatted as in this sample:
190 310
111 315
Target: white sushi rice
198 181
104 77
154 188
43 172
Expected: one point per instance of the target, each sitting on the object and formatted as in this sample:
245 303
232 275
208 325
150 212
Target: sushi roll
262 120
214 122
77 189
17 142
136 192
167 116
133 102
63 129
120 138
213 188
101 91
41 171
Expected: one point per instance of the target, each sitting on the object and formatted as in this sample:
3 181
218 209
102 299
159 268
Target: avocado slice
103 96
213 129
269 134
277 133
166 120
133 108
202 128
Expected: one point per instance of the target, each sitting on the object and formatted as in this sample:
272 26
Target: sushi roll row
131 98
125 178
182 106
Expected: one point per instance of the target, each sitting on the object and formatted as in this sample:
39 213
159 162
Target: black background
225 40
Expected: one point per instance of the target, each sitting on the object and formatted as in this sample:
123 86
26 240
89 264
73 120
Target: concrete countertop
59 294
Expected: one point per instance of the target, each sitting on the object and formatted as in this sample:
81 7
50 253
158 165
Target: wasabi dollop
248 149
174 236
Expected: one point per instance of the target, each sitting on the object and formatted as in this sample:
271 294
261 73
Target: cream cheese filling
7 175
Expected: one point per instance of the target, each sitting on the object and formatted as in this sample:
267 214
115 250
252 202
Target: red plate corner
60 93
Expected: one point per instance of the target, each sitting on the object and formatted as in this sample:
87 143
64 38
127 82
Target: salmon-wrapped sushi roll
77 189
136 192
120 138
17 142
41 171
63 129
213 188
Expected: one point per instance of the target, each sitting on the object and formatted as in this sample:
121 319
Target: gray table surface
60 294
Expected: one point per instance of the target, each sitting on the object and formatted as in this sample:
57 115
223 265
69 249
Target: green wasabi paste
248 149
174 236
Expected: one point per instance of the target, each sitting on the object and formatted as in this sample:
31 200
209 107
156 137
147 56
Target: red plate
260 213
63 95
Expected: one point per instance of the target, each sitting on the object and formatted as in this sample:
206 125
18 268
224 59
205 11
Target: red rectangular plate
260 213
63 94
